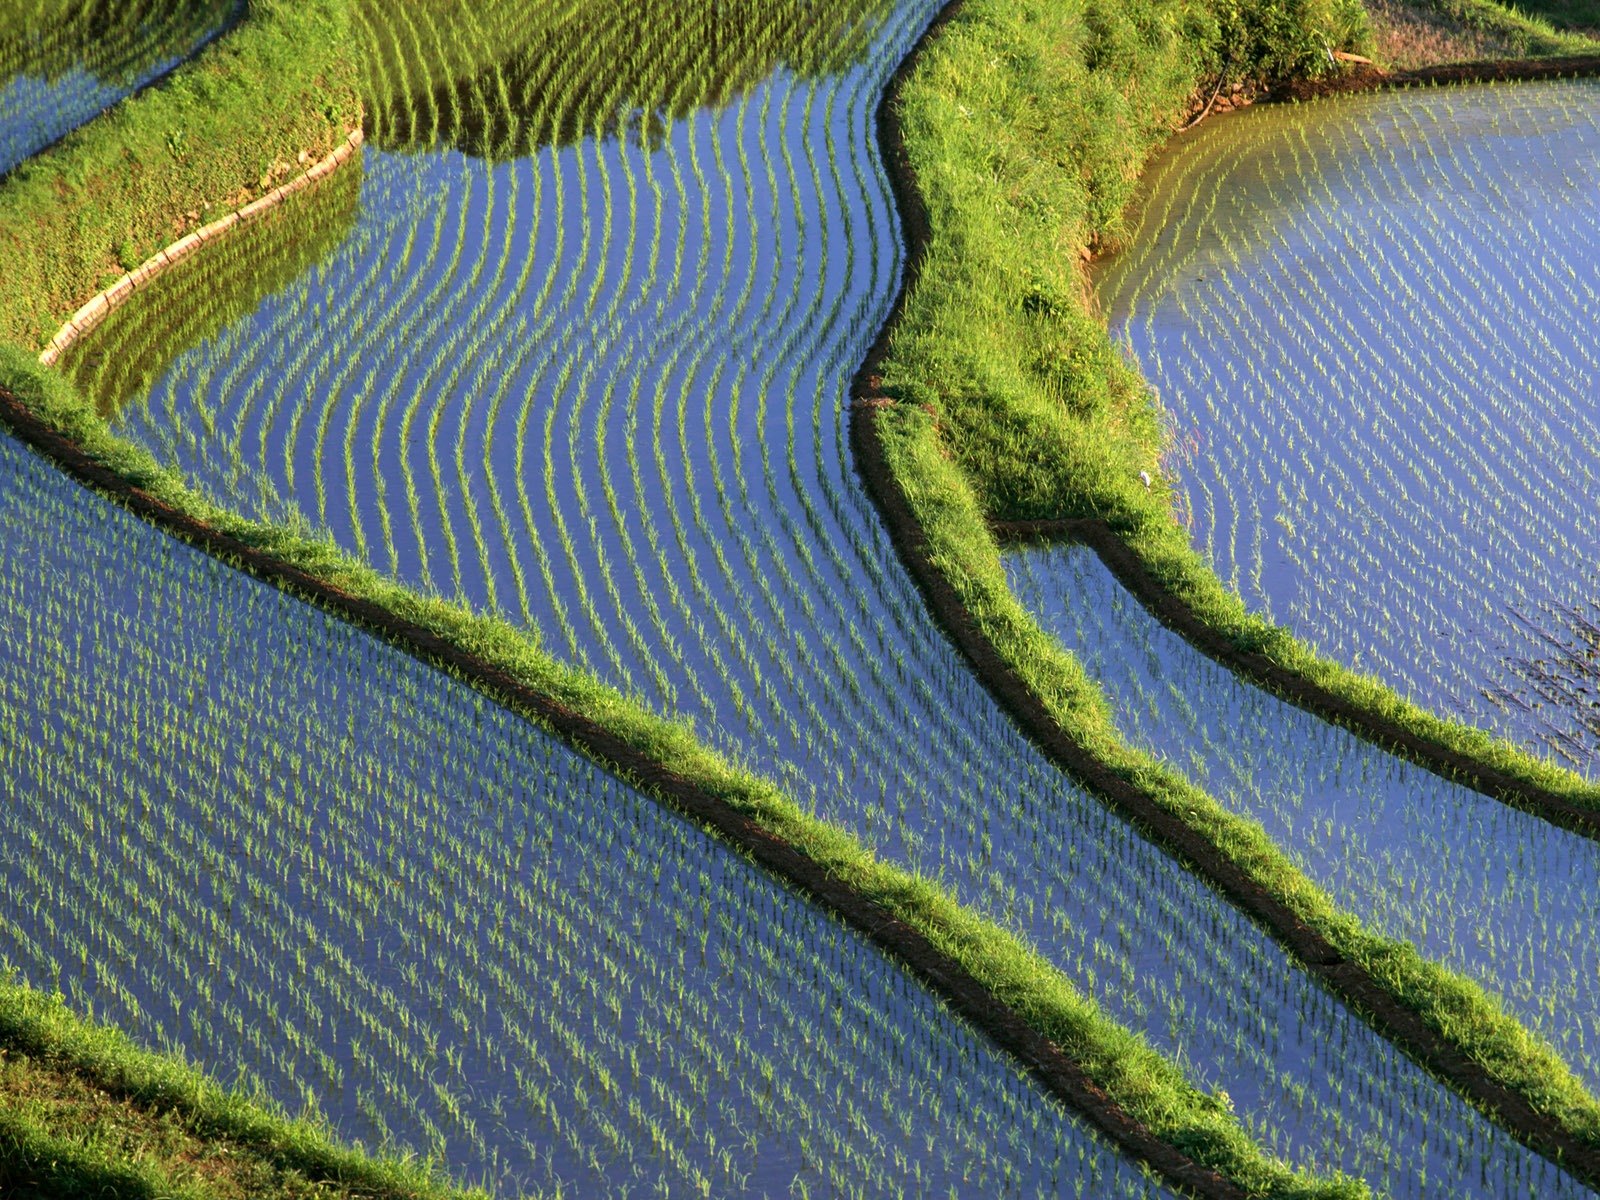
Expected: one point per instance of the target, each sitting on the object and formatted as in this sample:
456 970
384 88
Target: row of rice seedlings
759 596
248 833
64 61
182 309
481 76
1422 265
1499 895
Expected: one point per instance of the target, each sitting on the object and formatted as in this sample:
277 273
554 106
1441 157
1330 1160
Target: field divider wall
898 913
100 306
1446 1023
1135 1096
1170 608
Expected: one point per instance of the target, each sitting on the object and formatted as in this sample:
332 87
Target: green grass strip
150 1125
1027 136
1528 32
219 131
1013 404
1146 1084
33 1160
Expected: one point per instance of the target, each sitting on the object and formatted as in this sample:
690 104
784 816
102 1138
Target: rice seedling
612 440
264 840
1497 894
508 387
1366 323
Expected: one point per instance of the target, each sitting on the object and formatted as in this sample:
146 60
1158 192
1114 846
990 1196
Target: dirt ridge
102 303
1371 79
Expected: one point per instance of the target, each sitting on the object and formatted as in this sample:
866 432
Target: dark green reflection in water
219 285
63 61
498 78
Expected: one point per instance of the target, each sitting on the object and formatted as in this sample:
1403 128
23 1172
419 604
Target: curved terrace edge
148 493
1352 980
941 973
101 305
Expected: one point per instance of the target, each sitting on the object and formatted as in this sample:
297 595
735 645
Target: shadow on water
1563 674
203 295
508 80
64 61
1370 324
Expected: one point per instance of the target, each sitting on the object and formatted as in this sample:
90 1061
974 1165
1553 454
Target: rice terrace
800 598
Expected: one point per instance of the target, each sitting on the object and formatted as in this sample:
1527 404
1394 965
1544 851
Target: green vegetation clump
183 307
227 127
1012 404
84 1112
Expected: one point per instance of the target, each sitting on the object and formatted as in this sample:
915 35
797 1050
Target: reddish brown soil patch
1370 79
1407 37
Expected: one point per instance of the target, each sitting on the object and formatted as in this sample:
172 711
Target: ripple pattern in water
1500 895
1371 323
238 827
600 388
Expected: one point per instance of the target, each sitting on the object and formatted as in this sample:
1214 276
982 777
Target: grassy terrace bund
995 409
1135 1095
85 1113
1053 447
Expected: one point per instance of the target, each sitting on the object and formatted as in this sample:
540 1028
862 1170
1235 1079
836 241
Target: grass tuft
1012 404
225 128
84 1112
1146 1083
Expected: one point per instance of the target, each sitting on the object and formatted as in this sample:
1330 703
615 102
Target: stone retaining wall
98 308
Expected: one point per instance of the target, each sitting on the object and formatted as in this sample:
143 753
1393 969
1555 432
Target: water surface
240 829
66 61
1370 321
599 386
